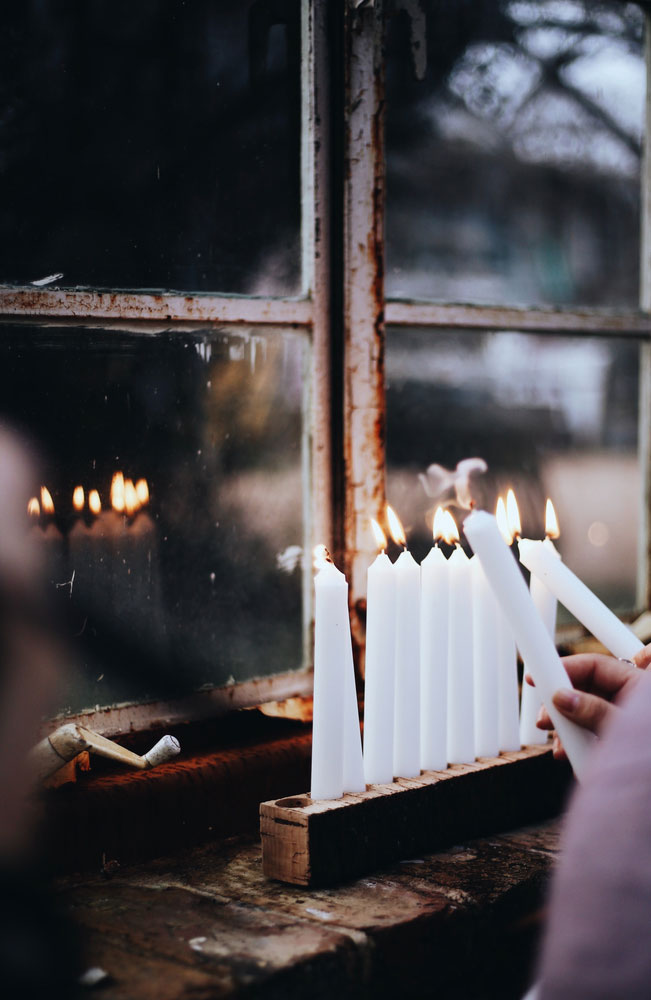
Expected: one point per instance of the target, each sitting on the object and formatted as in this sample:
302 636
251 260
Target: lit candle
508 521
379 678
545 604
330 618
434 610
50 538
406 736
461 722
485 632
579 599
531 635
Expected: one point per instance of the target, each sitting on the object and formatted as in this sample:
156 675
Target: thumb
587 710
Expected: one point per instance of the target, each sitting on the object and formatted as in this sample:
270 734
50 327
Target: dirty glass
552 416
151 145
202 583
513 151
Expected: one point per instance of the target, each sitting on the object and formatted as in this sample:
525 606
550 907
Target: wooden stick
69 740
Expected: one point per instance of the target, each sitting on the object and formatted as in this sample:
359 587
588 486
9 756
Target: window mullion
364 409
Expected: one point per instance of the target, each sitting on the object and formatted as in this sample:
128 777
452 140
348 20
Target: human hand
600 682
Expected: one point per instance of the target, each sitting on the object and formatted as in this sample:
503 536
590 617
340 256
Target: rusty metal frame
364 408
644 426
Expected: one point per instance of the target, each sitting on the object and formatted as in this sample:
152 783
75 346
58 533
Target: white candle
485 631
532 637
331 622
461 722
434 610
353 777
509 708
406 738
379 681
579 599
545 604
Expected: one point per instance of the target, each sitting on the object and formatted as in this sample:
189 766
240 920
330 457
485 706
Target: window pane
151 145
551 416
513 164
203 585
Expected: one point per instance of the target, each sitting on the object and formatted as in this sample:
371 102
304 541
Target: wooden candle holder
326 842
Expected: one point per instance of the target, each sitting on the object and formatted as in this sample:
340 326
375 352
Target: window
194 255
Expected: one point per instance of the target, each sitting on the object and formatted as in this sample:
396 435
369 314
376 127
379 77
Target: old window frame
343 307
368 312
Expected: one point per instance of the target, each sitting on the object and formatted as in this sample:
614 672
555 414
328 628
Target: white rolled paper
533 639
166 748
579 599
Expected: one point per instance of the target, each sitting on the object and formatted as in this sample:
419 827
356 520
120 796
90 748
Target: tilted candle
531 636
579 599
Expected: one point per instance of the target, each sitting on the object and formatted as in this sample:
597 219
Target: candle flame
34 507
380 537
437 526
94 502
130 498
513 515
47 503
78 498
450 530
395 527
142 492
503 521
117 492
551 521
322 557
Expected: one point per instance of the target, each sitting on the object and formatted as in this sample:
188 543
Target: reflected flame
117 492
47 503
380 537
130 498
78 498
34 507
437 526
513 515
94 502
503 521
551 521
450 532
142 492
322 557
395 527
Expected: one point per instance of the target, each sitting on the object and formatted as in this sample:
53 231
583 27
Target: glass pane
513 164
551 416
151 145
203 584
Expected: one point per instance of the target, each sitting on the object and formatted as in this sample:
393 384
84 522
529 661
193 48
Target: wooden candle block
326 842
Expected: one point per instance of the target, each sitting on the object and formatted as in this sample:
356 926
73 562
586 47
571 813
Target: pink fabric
598 942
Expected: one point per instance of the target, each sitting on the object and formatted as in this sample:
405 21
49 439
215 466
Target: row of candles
441 652
109 556
126 497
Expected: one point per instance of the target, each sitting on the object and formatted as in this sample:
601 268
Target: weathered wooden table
461 923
